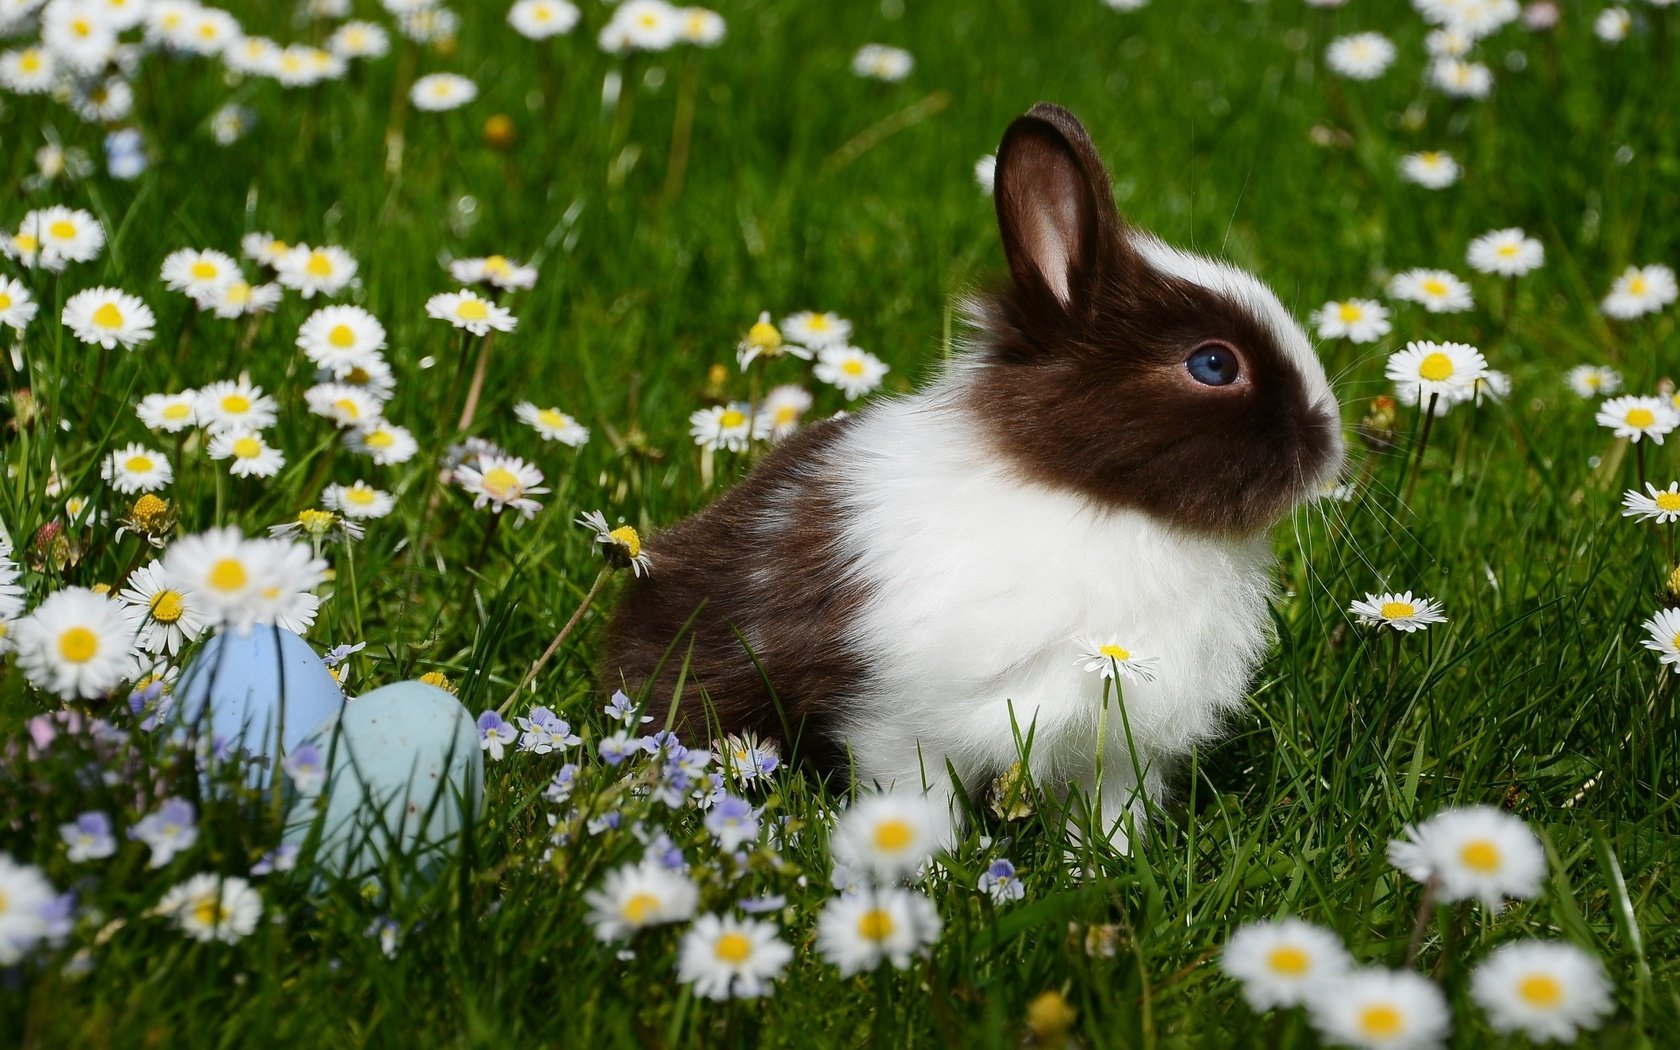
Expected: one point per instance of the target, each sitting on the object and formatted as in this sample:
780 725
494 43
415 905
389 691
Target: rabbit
902 593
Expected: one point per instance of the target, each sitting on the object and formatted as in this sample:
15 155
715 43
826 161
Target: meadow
666 197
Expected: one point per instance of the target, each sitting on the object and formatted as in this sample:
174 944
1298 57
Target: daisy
209 907
856 933
1664 632
373 375
109 318
1362 56
702 27
17 307
341 338
500 482
637 896
436 92
1612 24
1279 962
1640 290
541 19
76 643
467 310
552 424
1473 851
359 40
233 404
284 593
25 894
1661 505
622 547
265 248
78 36
383 442
648 25
856 372
1461 79
318 526
429 23
1380 1010
209 31
1492 385
65 235
347 406
171 413
223 572
724 957
1445 370
326 270
498 270
765 340
239 298
880 62
198 273
358 500
726 426
1356 320
255 56
1102 656
1436 290
1433 170
31 71
782 409
817 330
1548 990
166 611
1448 43
891 834
136 468
252 456
1594 380
1509 253
1634 417
1402 612
103 102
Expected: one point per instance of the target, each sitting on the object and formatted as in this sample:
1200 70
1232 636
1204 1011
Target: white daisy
1509 253
468 310
1356 320
208 32
168 618
765 340
729 427
552 424
78 36
1472 851
1661 505
326 270
29 71
136 468
637 896
1101 656
501 482
497 270
1461 79
240 298
1445 370
1640 290
647 25
1634 417
359 40
341 338
347 406
1548 990
109 317
198 273
1435 290
856 933
702 27
1663 630
384 442
1381 1010
226 574
1402 612
250 455
1612 24
890 834
1362 56
65 235
541 19
856 372
1594 380
816 330
880 62
436 92
1448 43
17 307
358 500
621 546
284 595
170 413
1433 169
1278 962
724 957
210 907
76 643
233 404
25 895
782 410
265 248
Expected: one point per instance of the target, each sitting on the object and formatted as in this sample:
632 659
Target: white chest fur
985 587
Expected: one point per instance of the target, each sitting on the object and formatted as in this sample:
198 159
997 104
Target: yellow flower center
640 908
550 417
1349 313
1437 367
1289 961
1381 1021
167 607
437 679
30 61
472 310
5 301
108 316
764 336
318 265
786 415
238 293
81 27
1480 856
149 512
347 408
1668 501
138 464
379 439
341 336
1593 381
177 410
893 835
209 912
203 270
247 448
852 366
358 495
649 21
63 229
498 264
1637 286
733 948
1116 652
627 537
1507 250
316 522
1398 610
731 418
78 645
1540 989
1434 287
875 925
236 404
26 243
501 483
1640 417
1675 641
818 322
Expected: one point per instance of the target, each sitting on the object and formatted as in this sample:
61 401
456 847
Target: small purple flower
762 905
733 822
169 831
560 788
59 915
1001 883
89 838
307 767
596 825
616 748
544 731
494 734
387 932
281 858
665 853
622 709
340 653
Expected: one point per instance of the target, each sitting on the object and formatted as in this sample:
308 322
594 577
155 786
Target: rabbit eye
1213 364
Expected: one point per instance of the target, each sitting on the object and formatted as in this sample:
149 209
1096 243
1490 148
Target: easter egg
404 773
261 686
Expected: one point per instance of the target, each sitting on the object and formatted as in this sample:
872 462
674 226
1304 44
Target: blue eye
1213 364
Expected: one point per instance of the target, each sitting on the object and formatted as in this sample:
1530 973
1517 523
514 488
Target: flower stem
1423 443
476 387
1420 926
541 661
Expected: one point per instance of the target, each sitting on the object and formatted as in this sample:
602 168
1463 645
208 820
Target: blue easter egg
261 685
404 773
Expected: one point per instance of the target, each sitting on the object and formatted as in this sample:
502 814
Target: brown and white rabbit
914 581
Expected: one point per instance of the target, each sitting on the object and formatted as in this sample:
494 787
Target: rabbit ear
1055 208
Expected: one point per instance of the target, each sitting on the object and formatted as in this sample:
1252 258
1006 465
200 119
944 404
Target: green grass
808 187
